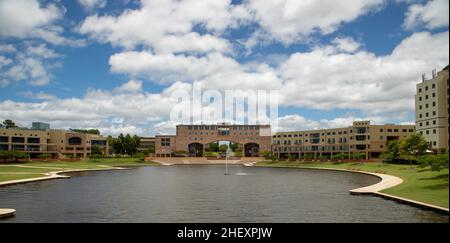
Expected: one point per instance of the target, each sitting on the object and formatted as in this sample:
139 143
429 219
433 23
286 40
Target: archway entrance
196 150
251 150
219 149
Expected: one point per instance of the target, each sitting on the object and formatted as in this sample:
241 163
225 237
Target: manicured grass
420 184
65 165
18 177
14 169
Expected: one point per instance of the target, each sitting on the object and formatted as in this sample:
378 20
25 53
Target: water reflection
204 194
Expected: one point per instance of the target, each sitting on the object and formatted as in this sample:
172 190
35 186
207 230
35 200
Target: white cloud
126 109
33 64
31 19
433 14
90 5
167 26
291 20
346 44
132 86
7 48
338 76
373 84
38 96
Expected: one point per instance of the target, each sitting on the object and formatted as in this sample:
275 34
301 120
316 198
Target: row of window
427 123
427 114
4 139
433 95
222 133
202 127
433 86
360 131
427 105
322 148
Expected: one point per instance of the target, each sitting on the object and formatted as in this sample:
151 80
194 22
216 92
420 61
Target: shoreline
386 182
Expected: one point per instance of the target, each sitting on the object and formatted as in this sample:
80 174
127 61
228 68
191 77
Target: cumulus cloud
167 26
33 64
290 20
38 96
431 15
336 76
31 19
346 44
90 5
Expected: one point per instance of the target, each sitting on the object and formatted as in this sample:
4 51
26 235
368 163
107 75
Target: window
33 140
434 95
4 139
75 141
433 86
420 90
165 142
18 140
420 107
420 98
434 104
434 113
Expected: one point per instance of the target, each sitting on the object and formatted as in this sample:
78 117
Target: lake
203 194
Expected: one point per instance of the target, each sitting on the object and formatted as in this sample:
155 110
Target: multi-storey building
57 143
145 143
432 107
34 142
193 139
362 137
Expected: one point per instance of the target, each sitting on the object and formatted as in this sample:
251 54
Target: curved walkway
6 212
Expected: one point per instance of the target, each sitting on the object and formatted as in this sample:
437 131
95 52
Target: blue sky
110 64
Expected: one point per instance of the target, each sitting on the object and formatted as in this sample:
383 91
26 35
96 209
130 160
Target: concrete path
6 212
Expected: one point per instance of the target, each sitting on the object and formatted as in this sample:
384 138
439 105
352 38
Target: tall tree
9 123
413 146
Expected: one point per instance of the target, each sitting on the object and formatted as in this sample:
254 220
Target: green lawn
59 165
419 184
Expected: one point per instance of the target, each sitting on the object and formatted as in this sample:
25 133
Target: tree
223 148
392 152
13 155
96 152
214 147
87 131
436 162
413 146
126 145
9 123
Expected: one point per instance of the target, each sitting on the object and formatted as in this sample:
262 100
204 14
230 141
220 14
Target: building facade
146 143
361 138
194 139
432 110
56 143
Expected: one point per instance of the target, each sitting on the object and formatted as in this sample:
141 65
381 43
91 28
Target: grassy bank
420 184
38 169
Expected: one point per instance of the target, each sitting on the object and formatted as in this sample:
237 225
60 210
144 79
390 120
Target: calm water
204 194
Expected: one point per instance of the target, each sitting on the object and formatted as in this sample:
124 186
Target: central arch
251 150
196 150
